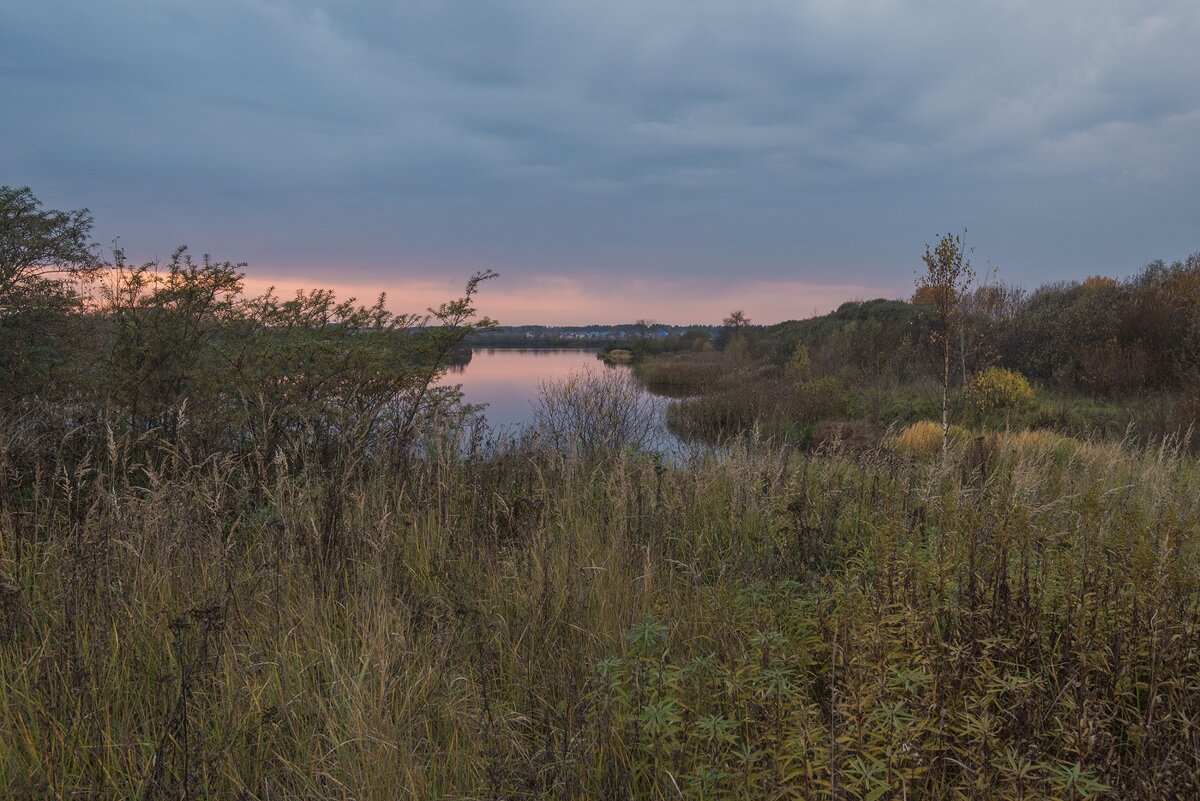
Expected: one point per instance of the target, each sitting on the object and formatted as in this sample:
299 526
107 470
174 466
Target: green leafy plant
998 388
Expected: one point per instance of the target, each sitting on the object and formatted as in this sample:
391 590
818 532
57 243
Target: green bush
998 388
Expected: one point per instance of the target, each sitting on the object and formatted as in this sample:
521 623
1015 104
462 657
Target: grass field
1017 621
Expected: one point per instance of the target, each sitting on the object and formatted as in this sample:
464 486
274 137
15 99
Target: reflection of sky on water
507 380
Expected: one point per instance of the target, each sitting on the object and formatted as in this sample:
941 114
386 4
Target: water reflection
508 379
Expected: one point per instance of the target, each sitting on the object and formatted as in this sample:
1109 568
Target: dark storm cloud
816 140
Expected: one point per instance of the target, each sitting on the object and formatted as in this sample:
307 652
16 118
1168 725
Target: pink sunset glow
563 300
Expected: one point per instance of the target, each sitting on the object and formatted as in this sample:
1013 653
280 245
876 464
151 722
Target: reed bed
503 621
692 373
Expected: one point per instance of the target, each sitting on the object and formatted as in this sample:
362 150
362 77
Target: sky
666 159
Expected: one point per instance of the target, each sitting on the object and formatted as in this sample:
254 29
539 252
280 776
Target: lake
508 381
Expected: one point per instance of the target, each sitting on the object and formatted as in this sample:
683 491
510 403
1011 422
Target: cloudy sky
671 159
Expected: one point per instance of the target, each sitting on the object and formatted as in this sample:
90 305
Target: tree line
1102 336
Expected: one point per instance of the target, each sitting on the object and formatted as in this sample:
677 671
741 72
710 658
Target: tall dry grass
501 621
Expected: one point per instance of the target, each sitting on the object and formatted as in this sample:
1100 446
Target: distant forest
591 336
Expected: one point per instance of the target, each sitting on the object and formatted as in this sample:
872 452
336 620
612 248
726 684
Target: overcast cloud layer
752 149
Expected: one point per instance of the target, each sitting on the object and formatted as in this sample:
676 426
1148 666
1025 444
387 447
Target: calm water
507 380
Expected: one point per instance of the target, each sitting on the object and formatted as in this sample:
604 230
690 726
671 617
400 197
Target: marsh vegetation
1098 358
254 549
1019 621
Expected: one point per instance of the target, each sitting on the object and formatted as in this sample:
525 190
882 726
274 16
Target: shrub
817 399
799 366
924 438
998 388
596 413
617 356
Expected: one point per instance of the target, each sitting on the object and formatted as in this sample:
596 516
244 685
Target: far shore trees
736 321
733 329
643 331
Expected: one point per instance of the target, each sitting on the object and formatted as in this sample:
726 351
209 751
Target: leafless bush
597 412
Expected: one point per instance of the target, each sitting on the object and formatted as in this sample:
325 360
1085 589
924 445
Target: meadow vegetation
253 549
506 620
